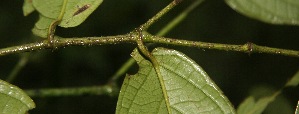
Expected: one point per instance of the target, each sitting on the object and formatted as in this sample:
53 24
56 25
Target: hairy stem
151 21
53 25
246 48
64 42
148 38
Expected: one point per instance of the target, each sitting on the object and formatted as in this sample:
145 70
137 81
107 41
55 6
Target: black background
237 74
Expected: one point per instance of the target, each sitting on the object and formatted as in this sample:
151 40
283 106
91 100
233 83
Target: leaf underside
269 11
27 7
188 87
41 26
13 100
76 12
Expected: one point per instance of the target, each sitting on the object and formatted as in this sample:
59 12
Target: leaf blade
14 100
77 12
132 87
294 81
188 99
41 27
52 8
249 106
199 83
269 11
48 8
27 7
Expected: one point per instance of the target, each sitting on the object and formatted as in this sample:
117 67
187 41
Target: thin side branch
76 91
18 67
151 21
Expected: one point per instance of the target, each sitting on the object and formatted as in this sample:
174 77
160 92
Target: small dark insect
80 10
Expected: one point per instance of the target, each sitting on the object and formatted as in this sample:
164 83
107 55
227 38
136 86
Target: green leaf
246 106
270 11
250 106
41 27
13 100
75 13
48 8
78 11
189 88
27 7
294 81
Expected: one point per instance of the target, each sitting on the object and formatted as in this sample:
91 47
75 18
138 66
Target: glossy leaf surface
189 88
270 11
13 100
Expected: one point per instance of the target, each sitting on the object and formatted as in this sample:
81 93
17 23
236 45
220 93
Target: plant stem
52 27
60 92
151 21
179 18
148 38
246 48
64 42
